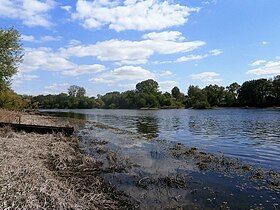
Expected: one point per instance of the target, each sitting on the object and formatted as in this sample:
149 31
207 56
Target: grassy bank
50 172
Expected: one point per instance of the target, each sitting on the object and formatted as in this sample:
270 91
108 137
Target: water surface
252 135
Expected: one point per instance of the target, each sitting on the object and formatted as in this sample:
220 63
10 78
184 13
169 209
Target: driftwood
68 131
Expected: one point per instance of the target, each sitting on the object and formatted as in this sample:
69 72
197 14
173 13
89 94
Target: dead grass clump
49 172
9 116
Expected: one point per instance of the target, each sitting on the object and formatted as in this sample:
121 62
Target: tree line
146 95
253 93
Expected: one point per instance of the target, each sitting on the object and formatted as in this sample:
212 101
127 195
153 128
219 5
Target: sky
105 45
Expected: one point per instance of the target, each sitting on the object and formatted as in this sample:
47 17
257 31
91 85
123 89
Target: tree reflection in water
148 125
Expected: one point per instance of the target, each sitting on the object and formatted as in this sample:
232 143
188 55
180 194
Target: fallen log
68 131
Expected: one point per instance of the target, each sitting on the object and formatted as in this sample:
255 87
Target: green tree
197 98
232 94
11 53
276 90
147 86
255 93
215 95
175 92
76 91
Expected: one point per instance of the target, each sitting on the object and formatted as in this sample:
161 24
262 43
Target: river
252 135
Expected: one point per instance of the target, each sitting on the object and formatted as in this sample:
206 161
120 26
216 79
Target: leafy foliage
11 53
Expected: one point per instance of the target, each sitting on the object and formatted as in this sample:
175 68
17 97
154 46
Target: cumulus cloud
30 12
206 77
131 14
268 68
46 59
130 52
124 73
20 78
257 63
30 38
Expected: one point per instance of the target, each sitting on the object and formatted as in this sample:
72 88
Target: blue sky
106 45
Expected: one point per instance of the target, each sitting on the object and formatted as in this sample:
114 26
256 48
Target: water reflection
148 125
250 134
67 114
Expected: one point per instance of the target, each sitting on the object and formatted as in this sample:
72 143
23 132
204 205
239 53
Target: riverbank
168 175
49 171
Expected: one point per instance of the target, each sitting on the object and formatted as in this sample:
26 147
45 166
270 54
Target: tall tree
76 91
197 98
276 90
255 93
175 92
11 53
215 95
147 86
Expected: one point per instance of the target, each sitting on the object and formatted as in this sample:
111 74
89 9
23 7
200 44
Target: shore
50 171
53 171
169 175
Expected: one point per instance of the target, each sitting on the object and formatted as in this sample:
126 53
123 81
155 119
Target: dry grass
9 116
33 119
49 172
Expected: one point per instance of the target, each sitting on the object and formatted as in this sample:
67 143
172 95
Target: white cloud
130 52
124 73
209 2
215 52
257 63
206 77
73 42
188 58
165 35
264 42
30 38
46 59
56 88
19 78
67 8
165 73
166 86
50 38
85 69
191 58
129 86
168 83
131 14
160 62
269 68
30 12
